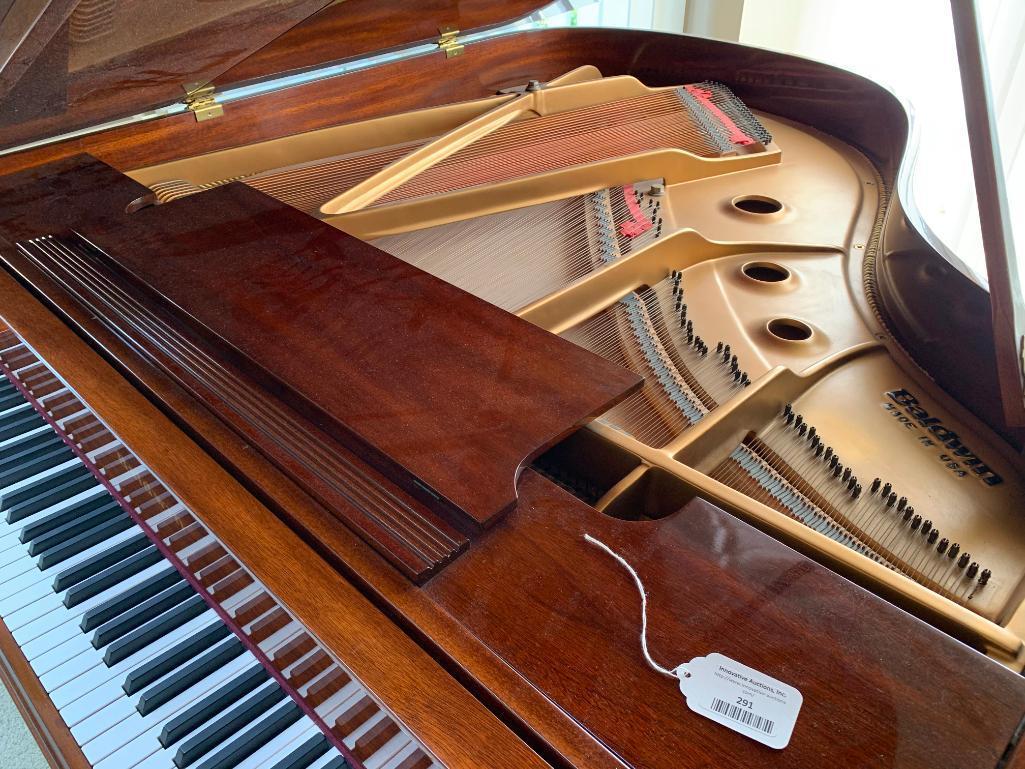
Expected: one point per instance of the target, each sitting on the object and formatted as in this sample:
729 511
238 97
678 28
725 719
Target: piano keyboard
158 649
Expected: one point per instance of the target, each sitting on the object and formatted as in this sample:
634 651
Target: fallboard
404 404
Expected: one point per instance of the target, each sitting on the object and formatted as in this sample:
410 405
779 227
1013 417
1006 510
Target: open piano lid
70 64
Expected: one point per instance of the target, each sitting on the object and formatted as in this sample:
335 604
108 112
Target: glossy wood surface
453 725
880 688
356 28
545 631
448 388
66 76
960 356
447 392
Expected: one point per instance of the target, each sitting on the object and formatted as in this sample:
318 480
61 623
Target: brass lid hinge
449 42
202 102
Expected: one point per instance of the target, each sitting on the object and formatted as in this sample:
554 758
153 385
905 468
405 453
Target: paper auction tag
741 698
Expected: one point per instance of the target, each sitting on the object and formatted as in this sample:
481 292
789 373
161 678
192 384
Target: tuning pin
789 417
819 449
964 560
909 511
916 522
811 433
933 536
745 379
846 474
926 528
954 550
718 350
902 503
736 376
679 304
890 500
941 548
972 570
875 485
857 491
984 577
828 455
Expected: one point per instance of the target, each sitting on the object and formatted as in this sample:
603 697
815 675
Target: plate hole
765 272
789 329
757 204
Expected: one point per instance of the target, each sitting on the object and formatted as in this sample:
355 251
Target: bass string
518 161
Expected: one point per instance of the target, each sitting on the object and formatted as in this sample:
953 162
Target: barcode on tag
742 715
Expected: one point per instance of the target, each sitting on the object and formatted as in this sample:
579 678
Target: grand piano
335 335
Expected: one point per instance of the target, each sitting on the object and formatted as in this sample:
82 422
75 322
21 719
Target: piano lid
71 64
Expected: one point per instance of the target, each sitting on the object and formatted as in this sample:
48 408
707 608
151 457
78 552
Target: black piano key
63 516
108 578
16 411
28 446
136 606
179 654
154 629
227 726
213 704
83 541
23 493
31 462
337 763
9 398
305 754
25 440
50 496
189 675
81 524
96 563
20 422
255 737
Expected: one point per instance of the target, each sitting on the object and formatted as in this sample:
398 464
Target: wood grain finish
356 28
758 601
439 390
960 357
142 60
454 726
880 688
450 391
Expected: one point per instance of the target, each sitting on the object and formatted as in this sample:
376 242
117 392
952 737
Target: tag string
644 604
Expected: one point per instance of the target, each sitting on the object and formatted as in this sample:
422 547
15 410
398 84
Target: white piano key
117 724
81 696
380 760
339 702
128 741
325 759
366 726
384 754
10 533
6 444
279 638
12 593
76 665
41 476
279 747
32 625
